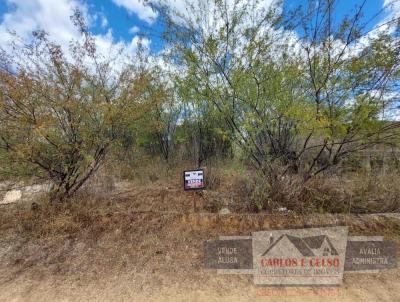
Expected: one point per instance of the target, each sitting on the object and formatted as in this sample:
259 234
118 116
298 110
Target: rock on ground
12 196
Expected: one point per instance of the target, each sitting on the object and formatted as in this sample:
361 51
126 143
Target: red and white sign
193 179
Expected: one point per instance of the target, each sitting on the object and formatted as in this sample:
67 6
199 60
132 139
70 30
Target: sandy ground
119 251
381 287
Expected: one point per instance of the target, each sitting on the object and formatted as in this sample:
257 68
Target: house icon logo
312 246
310 256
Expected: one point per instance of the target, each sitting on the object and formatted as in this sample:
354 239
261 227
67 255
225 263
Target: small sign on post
193 179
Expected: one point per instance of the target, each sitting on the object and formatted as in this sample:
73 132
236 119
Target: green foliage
294 93
60 117
303 103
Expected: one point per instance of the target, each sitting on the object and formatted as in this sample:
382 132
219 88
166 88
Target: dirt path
381 287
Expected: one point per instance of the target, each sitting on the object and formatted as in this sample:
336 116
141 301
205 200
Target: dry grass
148 230
93 215
233 185
348 193
88 238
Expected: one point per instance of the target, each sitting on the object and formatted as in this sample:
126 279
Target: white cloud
143 11
392 8
51 16
54 17
184 9
134 29
104 21
178 8
132 46
101 18
392 12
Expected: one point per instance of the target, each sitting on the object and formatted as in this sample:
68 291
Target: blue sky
119 21
125 23
349 7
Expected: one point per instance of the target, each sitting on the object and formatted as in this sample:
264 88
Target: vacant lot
144 243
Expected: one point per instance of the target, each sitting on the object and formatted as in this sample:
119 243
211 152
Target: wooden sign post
193 180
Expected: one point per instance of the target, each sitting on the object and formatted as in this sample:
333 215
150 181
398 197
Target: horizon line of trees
295 92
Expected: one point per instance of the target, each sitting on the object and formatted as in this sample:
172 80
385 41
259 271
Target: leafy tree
60 113
297 91
351 79
164 117
203 127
